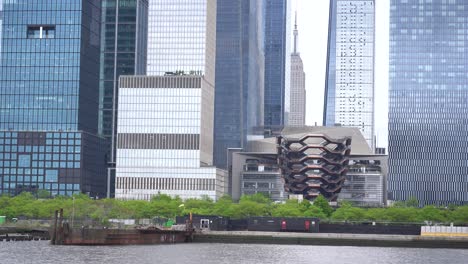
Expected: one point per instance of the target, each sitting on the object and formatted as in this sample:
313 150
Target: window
51 175
40 32
24 161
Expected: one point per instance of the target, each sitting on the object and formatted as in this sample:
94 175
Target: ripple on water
42 252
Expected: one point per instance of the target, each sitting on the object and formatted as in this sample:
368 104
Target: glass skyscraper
276 14
49 89
124 33
349 89
178 38
428 115
239 74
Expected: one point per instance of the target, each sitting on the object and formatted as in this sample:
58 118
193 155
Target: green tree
202 206
258 198
399 204
349 213
248 208
314 211
459 215
291 208
224 206
403 214
43 194
432 213
322 203
412 202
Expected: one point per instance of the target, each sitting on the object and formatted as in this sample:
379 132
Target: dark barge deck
62 234
94 236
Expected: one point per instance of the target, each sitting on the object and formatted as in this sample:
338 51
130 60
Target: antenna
295 32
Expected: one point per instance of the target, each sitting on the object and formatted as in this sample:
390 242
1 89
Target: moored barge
63 234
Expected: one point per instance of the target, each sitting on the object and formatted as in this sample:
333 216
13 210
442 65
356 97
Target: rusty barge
62 234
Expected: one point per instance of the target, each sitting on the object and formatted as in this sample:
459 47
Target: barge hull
123 237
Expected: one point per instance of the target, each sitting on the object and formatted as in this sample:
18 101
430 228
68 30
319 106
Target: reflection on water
42 252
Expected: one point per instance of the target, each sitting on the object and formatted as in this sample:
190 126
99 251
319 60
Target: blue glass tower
49 90
428 115
239 74
275 61
124 35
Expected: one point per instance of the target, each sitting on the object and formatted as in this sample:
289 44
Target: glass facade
42 80
262 176
349 89
32 161
365 181
180 40
48 96
239 74
124 32
428 114
275 61
51 161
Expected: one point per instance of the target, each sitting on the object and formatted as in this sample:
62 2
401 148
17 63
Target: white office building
349 89
165 121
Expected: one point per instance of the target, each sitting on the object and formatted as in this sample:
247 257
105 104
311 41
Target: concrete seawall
22 234
329 239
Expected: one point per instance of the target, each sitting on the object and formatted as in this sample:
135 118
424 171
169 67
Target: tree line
27 206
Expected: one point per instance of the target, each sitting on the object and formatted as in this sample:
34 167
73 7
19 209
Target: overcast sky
313 34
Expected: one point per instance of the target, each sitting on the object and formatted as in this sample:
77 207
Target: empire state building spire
295 33
297 93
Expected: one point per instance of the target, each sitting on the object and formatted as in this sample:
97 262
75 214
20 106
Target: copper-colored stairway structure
313 164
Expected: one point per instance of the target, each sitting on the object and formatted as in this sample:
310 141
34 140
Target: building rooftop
359 145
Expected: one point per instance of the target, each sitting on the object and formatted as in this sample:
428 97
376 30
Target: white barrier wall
444 231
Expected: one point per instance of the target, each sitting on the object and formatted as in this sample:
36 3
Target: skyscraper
165 121
181 37
349 89
49 85
276 14
124 32
428 120
297 88
239 74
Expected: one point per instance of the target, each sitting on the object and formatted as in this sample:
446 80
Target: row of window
141 195
439 166
43 186
24 160
42 164
55 142
55 5
45 46
50 177
260 185
40 149
158 161
48 87
165 183
429 196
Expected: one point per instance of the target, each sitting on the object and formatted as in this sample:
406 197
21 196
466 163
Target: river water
42 252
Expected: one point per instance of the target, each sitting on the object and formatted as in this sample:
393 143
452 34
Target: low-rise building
256 167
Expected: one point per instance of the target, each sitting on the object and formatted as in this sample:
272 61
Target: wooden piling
54 229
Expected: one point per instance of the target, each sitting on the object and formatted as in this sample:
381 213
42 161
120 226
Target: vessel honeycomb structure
313 164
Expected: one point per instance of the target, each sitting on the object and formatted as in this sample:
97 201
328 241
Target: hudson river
42 252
